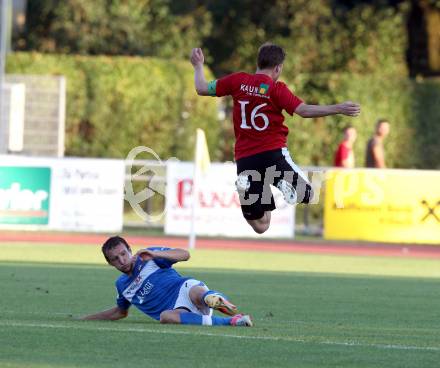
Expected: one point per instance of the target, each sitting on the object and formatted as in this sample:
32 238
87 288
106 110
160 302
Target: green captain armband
212 87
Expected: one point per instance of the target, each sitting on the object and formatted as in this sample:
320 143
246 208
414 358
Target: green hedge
117 103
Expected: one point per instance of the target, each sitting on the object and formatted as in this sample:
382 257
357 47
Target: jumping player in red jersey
260 150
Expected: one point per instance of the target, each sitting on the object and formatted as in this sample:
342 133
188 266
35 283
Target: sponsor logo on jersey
263 89
136 284
146 289
260 91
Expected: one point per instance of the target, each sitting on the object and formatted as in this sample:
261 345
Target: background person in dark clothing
375 155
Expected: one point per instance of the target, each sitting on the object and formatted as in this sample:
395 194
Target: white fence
44 115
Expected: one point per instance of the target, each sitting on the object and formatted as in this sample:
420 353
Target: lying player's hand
349 108
145 254
197 57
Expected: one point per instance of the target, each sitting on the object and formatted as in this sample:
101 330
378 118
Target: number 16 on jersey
254 115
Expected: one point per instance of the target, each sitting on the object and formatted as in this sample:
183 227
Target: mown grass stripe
221 335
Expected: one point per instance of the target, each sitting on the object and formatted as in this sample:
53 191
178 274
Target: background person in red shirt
260 149
344 156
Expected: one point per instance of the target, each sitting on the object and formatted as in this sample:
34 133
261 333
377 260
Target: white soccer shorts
184 301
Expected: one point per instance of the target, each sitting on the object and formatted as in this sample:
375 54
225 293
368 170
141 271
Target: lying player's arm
174 255
197 60
313 111
112 314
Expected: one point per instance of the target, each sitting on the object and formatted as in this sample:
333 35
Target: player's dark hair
113 242
348 126
270 55
380 121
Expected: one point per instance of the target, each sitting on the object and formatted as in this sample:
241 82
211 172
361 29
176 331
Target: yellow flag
202 159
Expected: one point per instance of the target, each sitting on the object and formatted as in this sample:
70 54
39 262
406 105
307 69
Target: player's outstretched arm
197 60
112 314
313 111
174 255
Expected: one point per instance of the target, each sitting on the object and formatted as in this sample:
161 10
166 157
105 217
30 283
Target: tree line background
141 92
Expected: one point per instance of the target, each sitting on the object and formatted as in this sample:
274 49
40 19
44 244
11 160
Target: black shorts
265 169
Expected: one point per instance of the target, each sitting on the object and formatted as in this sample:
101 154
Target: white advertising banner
88 195
78 195
218 211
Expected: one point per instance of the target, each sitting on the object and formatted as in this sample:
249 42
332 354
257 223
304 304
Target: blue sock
220 321
190 319
195 319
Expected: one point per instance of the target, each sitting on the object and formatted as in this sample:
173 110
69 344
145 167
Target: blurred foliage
434 3
113 27
426 123
117 103
336 50
318 35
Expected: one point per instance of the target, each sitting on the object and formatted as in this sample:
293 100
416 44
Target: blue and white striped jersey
153 286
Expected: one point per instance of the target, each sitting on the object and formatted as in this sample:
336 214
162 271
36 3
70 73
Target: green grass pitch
309 311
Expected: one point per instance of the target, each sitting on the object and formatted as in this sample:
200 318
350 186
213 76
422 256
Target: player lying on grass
151 284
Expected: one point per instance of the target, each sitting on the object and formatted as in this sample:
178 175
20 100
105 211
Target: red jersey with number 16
257 115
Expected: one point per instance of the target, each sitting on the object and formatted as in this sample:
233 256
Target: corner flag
201 166
202 160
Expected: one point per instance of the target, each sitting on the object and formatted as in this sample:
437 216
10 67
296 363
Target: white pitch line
210 334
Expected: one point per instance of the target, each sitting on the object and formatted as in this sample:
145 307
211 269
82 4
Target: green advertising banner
24 195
